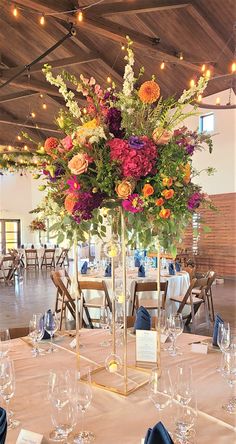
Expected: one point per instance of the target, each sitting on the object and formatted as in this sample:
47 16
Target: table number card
146 348
27 437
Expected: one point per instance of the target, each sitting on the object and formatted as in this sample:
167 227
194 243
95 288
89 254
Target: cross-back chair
148 287
96 301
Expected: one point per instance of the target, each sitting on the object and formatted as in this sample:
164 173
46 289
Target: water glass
4 343
36 332
160 390
84 396
185 422
51 325
229 373
7 388
223 336
104 323
175 327
184 385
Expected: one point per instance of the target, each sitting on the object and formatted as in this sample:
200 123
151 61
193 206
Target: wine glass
160 389
104 323
175 326
223 339
4 342
184 384
7 388
185 421
36 332
229 373
51 326
84 396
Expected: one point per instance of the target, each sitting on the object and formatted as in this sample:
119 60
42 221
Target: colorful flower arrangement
125 149
37 225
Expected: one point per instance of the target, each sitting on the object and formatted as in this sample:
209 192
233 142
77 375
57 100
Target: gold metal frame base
114 382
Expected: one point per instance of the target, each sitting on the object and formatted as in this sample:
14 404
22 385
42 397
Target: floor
34 292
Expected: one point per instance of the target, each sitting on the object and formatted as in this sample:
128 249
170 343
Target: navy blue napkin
108 271
137 262
143 319
171 269
84 268
154 262
3 425
218 321
177 267
141 271
158 435
46 334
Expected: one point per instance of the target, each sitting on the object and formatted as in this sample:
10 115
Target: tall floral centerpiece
38 225
126 149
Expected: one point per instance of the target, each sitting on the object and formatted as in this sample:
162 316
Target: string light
123 47
162 65
19 137
25 148
199 98
42 20
9 147
44 106
218 101
80 16
203 68
84 111
208 73
15 11
233 67
192 83
41 96
181 56
108 79
33 115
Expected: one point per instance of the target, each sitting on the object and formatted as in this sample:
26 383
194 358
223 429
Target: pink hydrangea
134 162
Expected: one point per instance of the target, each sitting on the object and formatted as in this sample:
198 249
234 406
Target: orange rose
165 213
159 202
161 136
167 182
147 190
125 188
78 164
187 170
168 194
70 202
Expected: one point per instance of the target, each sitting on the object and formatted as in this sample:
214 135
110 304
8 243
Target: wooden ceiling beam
35 85
23 124
117 32
47 6
17 95
138 7
206 26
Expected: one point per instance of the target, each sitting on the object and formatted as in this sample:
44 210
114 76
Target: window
9 234
196 232
206 123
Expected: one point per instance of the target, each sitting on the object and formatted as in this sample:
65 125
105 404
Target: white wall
223 157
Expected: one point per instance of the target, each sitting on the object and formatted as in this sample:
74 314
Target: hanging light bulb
33 115
80 16
44 106
84 110
25 148
15 11
192 83
199 98
162 65
218 101
181 56
203 67
108 79
9 147
123 47
233 67
208 73
41 95
42 20
19 137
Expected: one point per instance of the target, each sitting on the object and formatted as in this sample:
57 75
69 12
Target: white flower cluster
98 133
194 90
128 84
68 95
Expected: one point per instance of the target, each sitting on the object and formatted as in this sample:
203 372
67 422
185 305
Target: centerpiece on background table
125 150
38 225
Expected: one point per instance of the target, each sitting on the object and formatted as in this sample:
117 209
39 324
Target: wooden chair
7 269
210 275
18 332
149 304
193 302
63 258
48 259
31 258
64 300
94 302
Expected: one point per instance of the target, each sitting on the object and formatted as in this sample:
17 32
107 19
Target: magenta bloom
133 204
194 201
73 184
135 162
67 143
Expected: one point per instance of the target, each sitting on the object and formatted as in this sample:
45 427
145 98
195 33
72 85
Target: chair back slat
187 295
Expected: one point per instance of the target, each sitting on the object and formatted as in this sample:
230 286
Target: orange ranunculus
70 202
147 190
149 92
161 136
187 171
167 182
165 213
125 188
168 194
159 202
78 164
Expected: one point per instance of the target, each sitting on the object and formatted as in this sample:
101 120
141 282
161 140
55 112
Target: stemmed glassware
229 373
160 389
104 323
36 332
184 385
4 342
175 327
7 388
84 396
63 407
185 420
223 339
51 324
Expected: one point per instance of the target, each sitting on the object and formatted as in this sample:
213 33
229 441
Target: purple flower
189 149
113 120
85 204
194 201
58 172
133 204
136 143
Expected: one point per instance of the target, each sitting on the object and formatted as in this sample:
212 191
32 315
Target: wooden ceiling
202 30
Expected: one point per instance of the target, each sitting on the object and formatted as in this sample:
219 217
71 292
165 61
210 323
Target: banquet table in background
114 418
